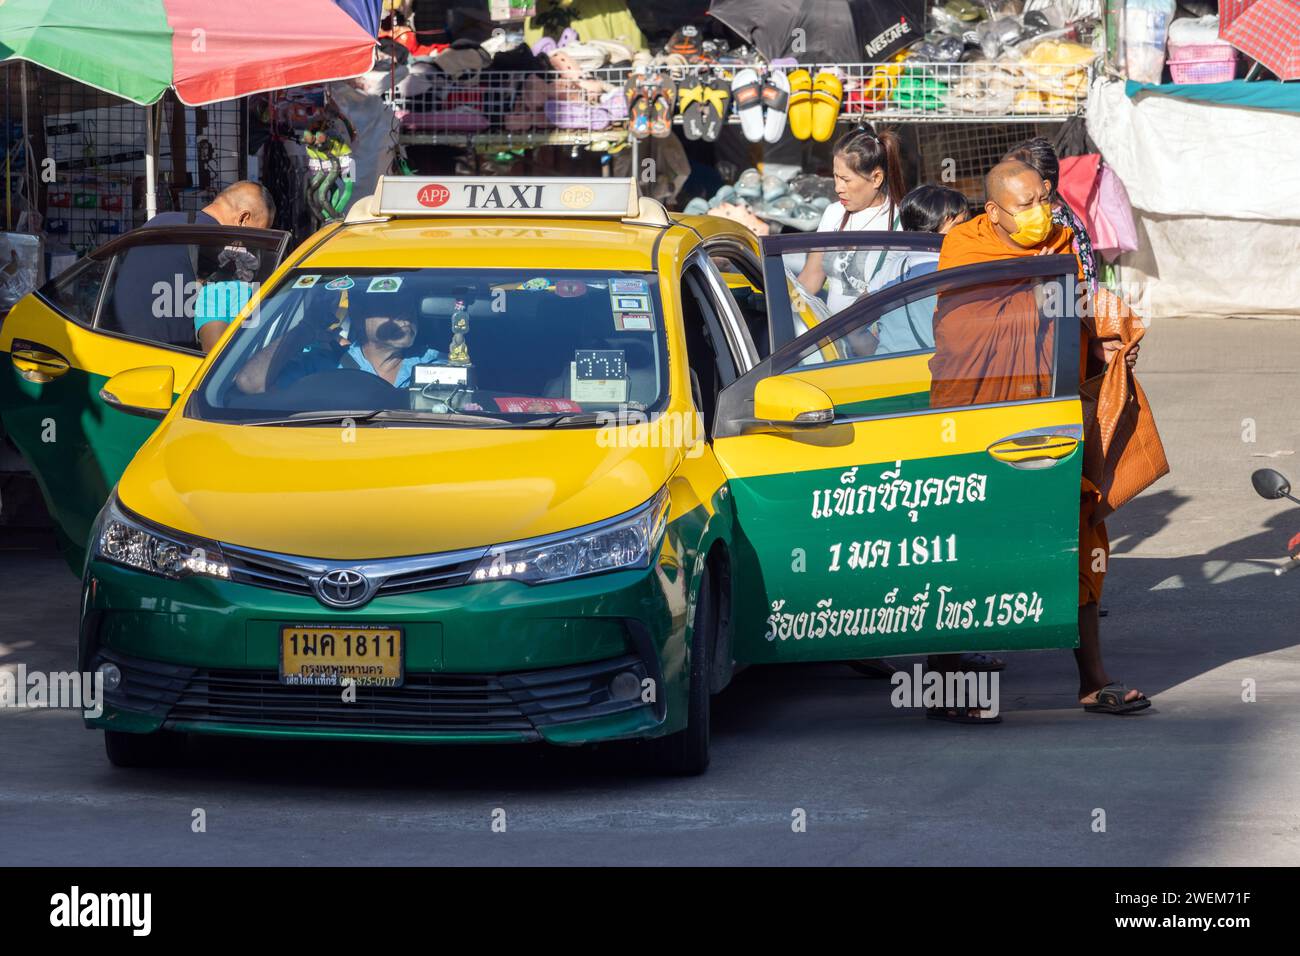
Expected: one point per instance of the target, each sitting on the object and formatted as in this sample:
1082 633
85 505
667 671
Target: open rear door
936 506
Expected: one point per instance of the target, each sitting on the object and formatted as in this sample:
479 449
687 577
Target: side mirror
1270 484
146 392
786 400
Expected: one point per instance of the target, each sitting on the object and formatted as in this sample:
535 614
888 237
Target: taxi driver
382 330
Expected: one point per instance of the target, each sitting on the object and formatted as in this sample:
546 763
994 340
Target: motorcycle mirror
1270 484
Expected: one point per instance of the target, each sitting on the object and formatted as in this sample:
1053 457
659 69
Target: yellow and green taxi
524 460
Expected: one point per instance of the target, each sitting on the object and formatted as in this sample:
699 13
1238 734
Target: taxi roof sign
587 197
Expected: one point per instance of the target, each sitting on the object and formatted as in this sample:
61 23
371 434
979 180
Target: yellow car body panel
385 492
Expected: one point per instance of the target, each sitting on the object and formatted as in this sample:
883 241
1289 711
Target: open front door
126 305
916 502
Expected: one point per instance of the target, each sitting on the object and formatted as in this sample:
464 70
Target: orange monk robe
992 344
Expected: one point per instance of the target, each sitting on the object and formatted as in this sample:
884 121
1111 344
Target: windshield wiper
586 418
319 418
436 418
379 415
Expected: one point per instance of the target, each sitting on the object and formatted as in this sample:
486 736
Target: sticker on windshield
634 322
306 282
536 285
537 405
570 288
629 287
341 284
631 303
629 300
384 284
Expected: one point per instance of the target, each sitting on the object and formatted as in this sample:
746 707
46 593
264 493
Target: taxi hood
386 491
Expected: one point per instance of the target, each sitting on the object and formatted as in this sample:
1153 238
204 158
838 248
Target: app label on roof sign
433 195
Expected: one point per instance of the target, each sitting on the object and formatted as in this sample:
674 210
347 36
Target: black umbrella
824 31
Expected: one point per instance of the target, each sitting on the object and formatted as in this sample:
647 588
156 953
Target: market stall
100 92
1003 63
1210 241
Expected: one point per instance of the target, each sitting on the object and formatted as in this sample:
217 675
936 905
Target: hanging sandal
827 96
747 91
717 99
639 100
800 105
661 109
776 100
691 105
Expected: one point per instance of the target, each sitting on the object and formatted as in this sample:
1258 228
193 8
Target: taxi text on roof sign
584 197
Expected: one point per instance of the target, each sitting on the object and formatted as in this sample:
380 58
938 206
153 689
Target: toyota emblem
343 587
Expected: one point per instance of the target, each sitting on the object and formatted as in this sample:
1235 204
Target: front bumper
491 662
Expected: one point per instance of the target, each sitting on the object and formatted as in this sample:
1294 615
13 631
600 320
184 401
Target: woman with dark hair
930 208
1039 155
868 174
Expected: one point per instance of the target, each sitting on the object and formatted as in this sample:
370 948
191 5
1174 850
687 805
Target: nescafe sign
433 195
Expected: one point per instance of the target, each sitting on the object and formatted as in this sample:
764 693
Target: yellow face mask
1033 225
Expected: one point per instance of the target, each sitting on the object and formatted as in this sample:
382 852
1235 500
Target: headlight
627 541
126 540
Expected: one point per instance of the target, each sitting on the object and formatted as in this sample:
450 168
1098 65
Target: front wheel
686 753
159 749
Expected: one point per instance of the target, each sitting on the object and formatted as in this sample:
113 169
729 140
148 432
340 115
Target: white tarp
1202 266
1216 198
1182 158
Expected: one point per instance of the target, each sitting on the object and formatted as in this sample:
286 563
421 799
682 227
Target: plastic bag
1146 25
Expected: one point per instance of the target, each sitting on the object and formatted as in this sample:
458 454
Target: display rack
505 109
510 109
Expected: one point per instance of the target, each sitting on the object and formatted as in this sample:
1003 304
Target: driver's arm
251 379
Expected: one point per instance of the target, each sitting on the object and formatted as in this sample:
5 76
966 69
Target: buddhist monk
998 347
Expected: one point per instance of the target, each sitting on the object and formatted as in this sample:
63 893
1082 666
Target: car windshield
443 346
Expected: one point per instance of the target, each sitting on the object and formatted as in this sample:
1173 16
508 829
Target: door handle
37 363
1040 448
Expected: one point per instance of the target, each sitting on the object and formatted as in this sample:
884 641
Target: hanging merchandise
800 104
1146 26
918 89
1111 206
1098 197
747 91
331 169
374 141
827 97
504 10
776 100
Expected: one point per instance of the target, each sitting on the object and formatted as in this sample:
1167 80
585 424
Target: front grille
519 702
428 579
266 573
396 576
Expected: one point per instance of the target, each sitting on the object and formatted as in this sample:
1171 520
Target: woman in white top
869 183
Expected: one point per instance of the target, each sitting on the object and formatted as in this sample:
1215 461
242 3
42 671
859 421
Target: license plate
332 656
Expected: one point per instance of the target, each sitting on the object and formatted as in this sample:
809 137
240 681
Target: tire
686 753
159 749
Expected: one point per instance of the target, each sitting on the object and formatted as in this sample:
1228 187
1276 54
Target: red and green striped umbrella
207 50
